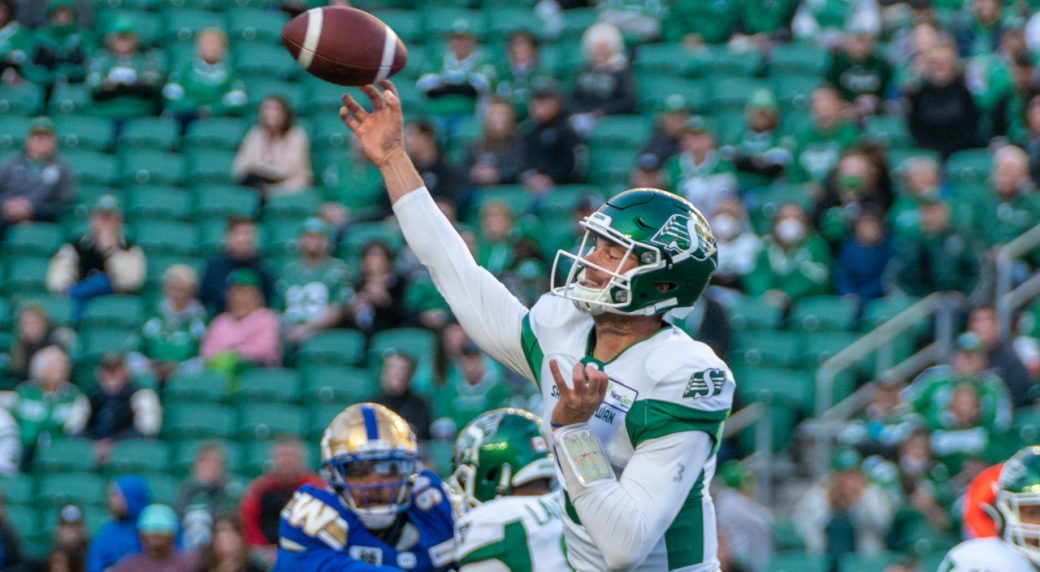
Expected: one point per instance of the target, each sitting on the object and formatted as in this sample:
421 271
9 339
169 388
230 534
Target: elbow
628 549
618 558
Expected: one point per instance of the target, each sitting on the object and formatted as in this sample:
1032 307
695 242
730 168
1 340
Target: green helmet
667 236
499 450
1019 487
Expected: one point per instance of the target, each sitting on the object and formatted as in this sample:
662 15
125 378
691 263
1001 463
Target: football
345 46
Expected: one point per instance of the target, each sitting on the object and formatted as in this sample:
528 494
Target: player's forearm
400 175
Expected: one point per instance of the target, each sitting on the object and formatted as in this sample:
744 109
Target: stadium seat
330 134
611 166
203 387
262 422
793 91
18 489
83 488
823 313
1027 425
969 166
33 239
95 342
115 311
23 99
294 206
715 61
224 201
58 308
159 133
154 202
84 132
439 22
93 168
795 388
783 418
819 347
659 87
184 454
578 20
853 562
183 24
786 536
797 562
359 235
797 58
663 59
516 197
198 421
334 347
13 130
338 385
26 276
504 20
414 342
262 60
732 92
69 99
889 130
165 237
209 166
755 314
619 132
144 166
25 520
138 456
267 385
216 133
880 310
406 24
147 24
319 415
260 87
256 26
163 487
767 348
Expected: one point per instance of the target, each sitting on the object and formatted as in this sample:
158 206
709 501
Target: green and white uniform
985 555
514 533
305 292
659 426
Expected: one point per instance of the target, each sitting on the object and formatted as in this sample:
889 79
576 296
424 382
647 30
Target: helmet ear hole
665 286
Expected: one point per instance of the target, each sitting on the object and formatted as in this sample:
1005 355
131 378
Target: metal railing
761 461
1009 298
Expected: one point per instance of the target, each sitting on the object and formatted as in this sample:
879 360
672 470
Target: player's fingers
561 385
581 380
349 121
601 389
354 107
388 85
374 96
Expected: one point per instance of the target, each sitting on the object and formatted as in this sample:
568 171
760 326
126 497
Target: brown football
345 46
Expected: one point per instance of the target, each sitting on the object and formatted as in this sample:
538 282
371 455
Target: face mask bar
383 464
1025 537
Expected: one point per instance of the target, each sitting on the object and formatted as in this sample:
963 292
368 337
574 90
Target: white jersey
985 555
517 533
659 425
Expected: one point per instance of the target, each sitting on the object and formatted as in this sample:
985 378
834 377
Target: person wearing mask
1002 359
857 184
246 334
49 406
124 81
119 408
118 536
228 552
240 251
207 86
863 259
605 85
36 184
700 173
204 496
494 159
736 241
395 379
313 288
669 127
760 155
171 337
275 156
941 259
158 529
378 301
552 150
941 111
793 263
819 146
102 262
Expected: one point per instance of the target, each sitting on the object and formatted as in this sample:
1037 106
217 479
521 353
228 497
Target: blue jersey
318 533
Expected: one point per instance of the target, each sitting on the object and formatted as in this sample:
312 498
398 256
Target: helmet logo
684 234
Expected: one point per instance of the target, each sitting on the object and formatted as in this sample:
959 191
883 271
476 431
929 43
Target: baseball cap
243 277
462 27
107 203
316 225
157 519
60 4
122 27
42 124
845 459
761 99
969 342
70 514
697 124
674 103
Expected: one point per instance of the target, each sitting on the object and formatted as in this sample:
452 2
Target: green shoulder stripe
652 418
532 349
512 550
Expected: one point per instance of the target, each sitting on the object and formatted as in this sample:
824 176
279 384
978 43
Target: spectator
353 189
465 76
861 76
707 322
517 74
695 23
941 113
640 21
206 86
60 49
793 263
395 378
10 548
982 322
15 46
669 127
240 251
124 82
646 173
921 492
158 529
818 147
552 150
942 259
885 423
1009 112
36 184
228 551
1013 207
495 157
979 33
700 173
480 387
378 301
605 85
49 406
438 174
171 338
313 288
762 20
70 537
1032 135
433 375
118 537
33 334
102 262
863 259
761 155
746 523
10 444
737 243
205 495
921 182
843 513
275 156
265 497
495 243
119 408
246 334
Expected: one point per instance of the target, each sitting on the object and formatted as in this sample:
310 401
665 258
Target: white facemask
790 231
725 226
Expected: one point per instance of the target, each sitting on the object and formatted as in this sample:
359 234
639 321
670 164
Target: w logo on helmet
684 234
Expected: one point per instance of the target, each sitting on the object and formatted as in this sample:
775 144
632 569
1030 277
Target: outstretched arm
487 311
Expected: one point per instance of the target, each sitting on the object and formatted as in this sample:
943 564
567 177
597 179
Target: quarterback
636 420
1017 549
501 485
379 512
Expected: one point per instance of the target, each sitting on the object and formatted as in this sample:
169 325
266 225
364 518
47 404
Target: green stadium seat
319 415
619 132
881 310
767 348
969 166
166 237
821 346
260 87
654 89
179 54
216 133
786 536
823 313
256 25
663 59
797 58
800 561
439 21
23 99
224 201
138 456
578 20
163 203
328 134
93 168
115 311
793 388
516 197
869 562
184 454
147 24
71 99
294 206
145 166
183 24
334 347
504 20
83 132
26 276
209 166
406 24
755 314
262 422
414 342
783 419
608 167
732 92
359 235
163 487
794 91
264 61
64 455
1027 425
159 133
325 97
198 421
126 5
889 130
714 61
338 385
95 342
203 387
267 385
33 239
770 199
13 130
23 519
18 489
58 308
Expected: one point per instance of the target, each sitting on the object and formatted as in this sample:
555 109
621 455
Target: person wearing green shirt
206 86
124 82
700 172
170 338
767 17
496 238
941 258
760 154
793 263
1013 207
479 386
920 179
15 42
697 22
515 76
465 77
61 48
820 144
860 74
49 406
312 289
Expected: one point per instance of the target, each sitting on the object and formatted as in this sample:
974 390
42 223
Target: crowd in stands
198 263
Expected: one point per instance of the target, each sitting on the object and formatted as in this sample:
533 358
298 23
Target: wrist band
579 449
555 425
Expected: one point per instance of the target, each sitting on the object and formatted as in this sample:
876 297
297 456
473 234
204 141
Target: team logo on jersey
366 554
538 444
707 383
684 234
620 397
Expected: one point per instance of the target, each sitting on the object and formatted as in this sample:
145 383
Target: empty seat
823 313
620 132
144 166
414 342
338 385
209 166
755 314
154 202
334 347
33 239
256 25
224 201
116 311
198 421
138 456
215 132
267 385
18 489
93 168
265 422
84 132
207 386
21 99
767 348
160 133
82 488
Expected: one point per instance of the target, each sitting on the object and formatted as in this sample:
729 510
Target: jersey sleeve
983 555
487 311
486 543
